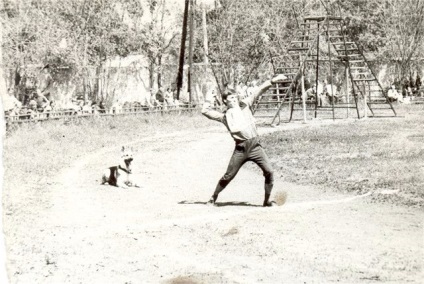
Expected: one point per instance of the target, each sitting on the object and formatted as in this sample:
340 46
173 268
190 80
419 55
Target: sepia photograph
212 141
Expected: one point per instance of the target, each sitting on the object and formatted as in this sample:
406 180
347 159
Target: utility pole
190 53
182 51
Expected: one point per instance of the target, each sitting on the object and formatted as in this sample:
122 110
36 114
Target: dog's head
126 158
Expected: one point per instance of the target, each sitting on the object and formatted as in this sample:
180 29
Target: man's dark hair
227 92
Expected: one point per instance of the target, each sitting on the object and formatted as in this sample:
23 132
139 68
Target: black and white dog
121 175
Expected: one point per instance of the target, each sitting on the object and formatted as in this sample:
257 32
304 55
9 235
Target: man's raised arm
264 87
268 83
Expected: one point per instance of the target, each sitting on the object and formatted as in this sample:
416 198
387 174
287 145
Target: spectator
393 95
80 100
30 111
160 97
169 97
27 113
331 91
71 107
418 82
11 105
102 108
307 84
95 108
11 102
87 108
405 88
310 94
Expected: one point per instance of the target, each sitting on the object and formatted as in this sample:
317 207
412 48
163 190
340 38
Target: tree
404 27
392 29
72 33
99 30
28 38
243 34
157 36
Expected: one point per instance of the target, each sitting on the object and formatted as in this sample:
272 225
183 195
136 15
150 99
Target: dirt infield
78 231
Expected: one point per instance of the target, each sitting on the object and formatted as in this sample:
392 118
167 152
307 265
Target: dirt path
163 233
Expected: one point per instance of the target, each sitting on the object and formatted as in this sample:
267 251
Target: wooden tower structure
321 48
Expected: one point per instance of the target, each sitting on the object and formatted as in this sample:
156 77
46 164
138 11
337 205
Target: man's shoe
211 201
269 204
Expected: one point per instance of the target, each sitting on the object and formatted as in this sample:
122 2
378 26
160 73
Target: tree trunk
98 84
151 73
159 71
84 78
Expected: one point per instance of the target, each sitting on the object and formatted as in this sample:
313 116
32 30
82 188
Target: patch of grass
362 156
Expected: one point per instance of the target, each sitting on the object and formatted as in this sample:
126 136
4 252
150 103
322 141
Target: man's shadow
222 204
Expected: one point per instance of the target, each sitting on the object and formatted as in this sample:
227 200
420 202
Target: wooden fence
33 116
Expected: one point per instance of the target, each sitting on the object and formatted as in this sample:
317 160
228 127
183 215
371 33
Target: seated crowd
36 105
408 90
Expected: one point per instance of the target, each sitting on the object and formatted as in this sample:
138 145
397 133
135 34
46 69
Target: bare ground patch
73 230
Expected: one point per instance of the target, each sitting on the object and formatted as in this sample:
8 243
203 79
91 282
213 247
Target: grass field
361 156
370 155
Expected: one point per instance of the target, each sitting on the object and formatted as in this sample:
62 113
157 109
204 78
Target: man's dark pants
248 150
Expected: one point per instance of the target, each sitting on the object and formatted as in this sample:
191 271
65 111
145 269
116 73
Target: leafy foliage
393 30
157 37
242 34
68 32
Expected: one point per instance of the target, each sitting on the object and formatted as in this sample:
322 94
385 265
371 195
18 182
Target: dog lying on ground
121 175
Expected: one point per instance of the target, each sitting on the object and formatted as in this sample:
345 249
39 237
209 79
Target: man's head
230 98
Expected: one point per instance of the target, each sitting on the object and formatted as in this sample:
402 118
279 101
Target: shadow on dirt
221 204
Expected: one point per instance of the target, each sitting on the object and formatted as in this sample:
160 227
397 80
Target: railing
33 116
